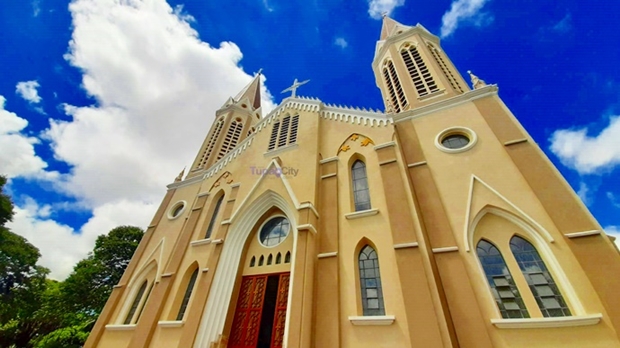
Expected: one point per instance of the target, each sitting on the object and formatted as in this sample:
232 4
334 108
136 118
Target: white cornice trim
200 242
384 145
310 206
416 164
306 227
537 323
583 234
406 245
170 323
516 141
279 150
372 320
446 103
361 214
330 159
327 255
445 249
112 327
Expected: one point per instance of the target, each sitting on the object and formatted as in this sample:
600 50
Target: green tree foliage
42 313
22 282
87 289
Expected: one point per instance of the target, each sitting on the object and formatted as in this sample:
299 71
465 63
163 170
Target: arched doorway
260 312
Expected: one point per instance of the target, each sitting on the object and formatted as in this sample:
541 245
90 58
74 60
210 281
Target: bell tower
411 70
234 122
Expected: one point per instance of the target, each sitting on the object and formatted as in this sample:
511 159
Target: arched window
539 279
232 137
500 280
211 143
188 294
397 95
444 68
216 210
287 257
370 282
420 75
134 306
361 194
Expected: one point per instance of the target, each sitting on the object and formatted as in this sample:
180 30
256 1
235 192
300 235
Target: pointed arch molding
504 208
242 221
157 255
354 139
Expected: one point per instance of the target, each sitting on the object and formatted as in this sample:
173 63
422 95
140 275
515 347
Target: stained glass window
361 194
370 282
539 279
502 284
188 294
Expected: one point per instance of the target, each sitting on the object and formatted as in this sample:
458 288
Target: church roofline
354 115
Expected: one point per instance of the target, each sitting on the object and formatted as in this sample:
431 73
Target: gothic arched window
420 75
216 210
395 90
232 137
444 68
361 194
211 143
370 282
539 279
134 306
188 294
500 280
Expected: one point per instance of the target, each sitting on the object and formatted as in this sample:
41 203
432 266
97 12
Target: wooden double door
261 312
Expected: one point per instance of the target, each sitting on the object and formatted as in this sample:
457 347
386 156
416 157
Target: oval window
274 231
455 141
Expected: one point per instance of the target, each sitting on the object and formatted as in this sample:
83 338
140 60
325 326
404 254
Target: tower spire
388 26
252 91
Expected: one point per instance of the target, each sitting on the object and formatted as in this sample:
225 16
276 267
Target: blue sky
90 89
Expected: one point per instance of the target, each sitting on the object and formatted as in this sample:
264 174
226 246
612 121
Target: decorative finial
384 14
259 71
475 81
294 87
180 176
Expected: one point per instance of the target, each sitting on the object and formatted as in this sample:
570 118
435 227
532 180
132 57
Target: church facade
437 223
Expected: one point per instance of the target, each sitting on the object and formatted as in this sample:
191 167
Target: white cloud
376 8
341 42
464 10
157 87
28 91
588 154
614 231
61 246
17 157
584 193
615 201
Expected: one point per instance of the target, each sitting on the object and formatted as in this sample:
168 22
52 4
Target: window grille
284 132
444 68
420 75
211 143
